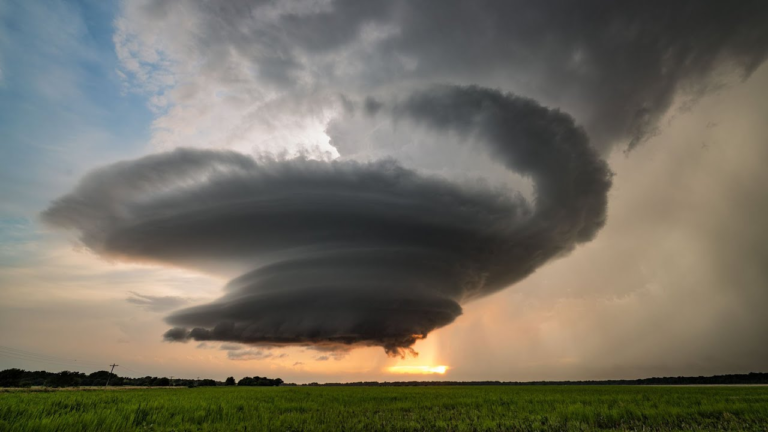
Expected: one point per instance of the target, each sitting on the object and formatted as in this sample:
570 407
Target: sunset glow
424 370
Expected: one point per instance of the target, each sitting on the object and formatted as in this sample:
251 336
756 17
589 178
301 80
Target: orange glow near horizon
423 370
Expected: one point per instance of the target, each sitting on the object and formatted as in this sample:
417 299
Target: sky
336 190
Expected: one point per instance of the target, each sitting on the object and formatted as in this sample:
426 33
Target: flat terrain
468 408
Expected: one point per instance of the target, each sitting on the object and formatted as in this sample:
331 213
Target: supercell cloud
348 253
344 253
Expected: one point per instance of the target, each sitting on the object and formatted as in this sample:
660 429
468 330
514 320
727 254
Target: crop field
466 408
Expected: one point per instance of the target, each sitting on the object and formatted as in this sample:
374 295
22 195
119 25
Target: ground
465 408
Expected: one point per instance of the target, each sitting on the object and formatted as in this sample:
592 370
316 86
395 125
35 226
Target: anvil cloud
348 253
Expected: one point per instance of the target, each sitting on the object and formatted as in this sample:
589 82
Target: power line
25 352
30 352
110 373
29 356
27 359
36 355
45 357
131 370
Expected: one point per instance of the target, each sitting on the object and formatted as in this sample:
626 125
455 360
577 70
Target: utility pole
171 380
110 374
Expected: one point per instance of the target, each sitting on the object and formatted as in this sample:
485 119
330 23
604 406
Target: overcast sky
322 190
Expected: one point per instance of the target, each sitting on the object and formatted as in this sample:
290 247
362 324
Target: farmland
475 408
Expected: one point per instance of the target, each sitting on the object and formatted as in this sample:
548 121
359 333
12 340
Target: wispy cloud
242 354
156 303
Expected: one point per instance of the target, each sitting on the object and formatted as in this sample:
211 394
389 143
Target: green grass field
540 408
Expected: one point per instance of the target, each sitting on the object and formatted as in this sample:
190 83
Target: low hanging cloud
247 354
345 253
156 303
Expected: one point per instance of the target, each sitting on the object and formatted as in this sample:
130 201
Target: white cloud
210 89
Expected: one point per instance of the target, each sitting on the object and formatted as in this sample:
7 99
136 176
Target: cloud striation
345 253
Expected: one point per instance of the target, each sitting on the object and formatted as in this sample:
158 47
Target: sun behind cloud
424 370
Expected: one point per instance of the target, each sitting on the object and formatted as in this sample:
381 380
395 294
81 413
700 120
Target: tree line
258 381
23 378
732 379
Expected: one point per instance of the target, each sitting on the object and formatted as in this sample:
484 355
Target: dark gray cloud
244 354
156 303
347 253
617 64
205 345
230 347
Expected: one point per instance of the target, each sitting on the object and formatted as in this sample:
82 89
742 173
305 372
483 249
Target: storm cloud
346 253
617 65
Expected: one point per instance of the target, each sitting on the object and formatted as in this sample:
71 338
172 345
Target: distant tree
32 382
230 381
64 379
11 377
161 382
102 374
142 382
259 381
207 383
